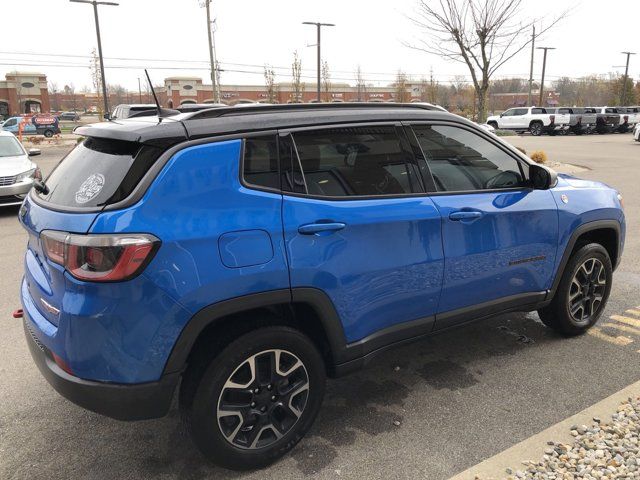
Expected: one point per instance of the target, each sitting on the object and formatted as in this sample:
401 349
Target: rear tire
582 293
536 129
256 399
493 124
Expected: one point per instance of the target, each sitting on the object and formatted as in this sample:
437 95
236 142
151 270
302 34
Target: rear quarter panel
196 207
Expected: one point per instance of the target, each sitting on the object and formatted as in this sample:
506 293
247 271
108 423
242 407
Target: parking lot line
634 312
619 340
622 328
634 322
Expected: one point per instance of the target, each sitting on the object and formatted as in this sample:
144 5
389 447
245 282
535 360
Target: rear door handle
319 228
465 215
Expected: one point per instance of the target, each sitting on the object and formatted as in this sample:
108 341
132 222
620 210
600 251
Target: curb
533 447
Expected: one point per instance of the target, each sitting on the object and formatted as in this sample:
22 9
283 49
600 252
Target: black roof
229 120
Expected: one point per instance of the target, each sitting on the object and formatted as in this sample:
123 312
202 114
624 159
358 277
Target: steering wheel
505 179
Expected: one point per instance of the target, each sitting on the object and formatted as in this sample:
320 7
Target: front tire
256 399
582 293
48 133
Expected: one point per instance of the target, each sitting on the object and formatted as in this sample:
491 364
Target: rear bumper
120 401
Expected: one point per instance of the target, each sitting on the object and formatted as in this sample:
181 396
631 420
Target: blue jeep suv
235 257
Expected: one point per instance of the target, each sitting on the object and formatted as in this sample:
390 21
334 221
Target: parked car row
562 120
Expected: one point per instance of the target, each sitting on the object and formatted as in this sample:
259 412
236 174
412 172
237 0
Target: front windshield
10 147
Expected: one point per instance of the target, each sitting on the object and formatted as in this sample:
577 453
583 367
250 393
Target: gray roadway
428 410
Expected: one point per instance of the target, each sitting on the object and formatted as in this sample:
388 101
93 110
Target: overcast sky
251 33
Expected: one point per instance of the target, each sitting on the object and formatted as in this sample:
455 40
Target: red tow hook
18 313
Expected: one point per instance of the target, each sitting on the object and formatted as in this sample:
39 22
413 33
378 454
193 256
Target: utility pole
319 27
207 4
95 14
623 95
139 91
533 49
544 67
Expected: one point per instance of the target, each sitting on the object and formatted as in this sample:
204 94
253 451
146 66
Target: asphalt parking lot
428 410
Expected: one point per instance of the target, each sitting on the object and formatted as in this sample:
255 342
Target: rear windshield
98 172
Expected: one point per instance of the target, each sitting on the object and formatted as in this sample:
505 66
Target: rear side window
351 161
460 160
260 165
98 172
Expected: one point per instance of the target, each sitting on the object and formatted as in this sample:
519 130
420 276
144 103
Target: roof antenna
162 112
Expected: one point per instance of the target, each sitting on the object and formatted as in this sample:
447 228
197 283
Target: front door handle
320 228
462 215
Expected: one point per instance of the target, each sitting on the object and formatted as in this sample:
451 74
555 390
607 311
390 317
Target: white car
636 132
487 127
17 171
534 119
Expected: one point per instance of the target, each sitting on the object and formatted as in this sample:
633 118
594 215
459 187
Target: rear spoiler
149 131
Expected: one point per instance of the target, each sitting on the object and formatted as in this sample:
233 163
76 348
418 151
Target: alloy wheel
263 399
587 290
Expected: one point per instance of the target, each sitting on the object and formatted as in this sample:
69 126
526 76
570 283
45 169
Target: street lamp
544 66
95 14
319 27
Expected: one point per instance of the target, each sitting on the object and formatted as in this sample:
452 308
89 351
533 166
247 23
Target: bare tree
326 81
401 84
482 34
96 78
361 87
296 73
270 83
53 92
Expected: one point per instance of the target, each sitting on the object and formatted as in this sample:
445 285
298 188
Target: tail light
552 118
100 258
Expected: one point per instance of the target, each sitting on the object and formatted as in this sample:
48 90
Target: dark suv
240 255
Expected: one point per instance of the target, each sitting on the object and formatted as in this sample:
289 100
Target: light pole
533 46
207 4
623 95
544 67
139 91
319 27
95 14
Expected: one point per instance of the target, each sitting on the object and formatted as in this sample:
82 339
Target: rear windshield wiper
41 187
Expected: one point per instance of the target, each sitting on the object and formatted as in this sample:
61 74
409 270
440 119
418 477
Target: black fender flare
315 298
577 233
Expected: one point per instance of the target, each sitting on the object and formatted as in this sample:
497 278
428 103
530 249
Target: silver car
17 171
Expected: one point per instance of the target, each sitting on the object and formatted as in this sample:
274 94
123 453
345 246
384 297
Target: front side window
352 161
10 123
520 111
537 111
508 113
461 160
261 161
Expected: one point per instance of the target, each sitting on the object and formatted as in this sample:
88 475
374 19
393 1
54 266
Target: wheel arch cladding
308 310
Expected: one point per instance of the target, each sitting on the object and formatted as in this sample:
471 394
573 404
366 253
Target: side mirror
33 152
501 115
542 178
107 116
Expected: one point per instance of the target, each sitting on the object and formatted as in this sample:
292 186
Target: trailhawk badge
90 188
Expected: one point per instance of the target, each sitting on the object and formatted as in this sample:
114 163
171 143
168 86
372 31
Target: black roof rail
285 107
